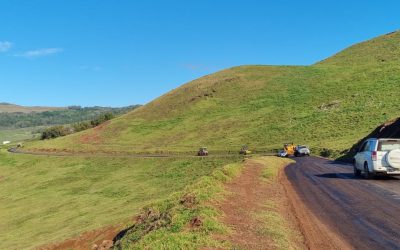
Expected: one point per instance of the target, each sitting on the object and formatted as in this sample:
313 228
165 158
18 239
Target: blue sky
117 53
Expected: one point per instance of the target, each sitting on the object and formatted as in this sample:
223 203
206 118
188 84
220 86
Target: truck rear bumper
391 173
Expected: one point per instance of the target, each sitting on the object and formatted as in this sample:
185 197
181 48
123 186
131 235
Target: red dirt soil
100 239
95 134
248 195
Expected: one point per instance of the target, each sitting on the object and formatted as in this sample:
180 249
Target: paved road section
365 213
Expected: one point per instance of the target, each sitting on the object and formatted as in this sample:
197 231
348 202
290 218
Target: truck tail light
374 155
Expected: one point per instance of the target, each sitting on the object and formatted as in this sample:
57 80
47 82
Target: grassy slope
168 225
169 220
45 199
330 104
19 134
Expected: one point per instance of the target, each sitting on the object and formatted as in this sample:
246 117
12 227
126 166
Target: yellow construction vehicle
289 148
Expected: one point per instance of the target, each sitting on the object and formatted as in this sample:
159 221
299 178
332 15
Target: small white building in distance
6 142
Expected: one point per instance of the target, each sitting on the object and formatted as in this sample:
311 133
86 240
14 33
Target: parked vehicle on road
202 152
289 148
283 153
301 150
378 156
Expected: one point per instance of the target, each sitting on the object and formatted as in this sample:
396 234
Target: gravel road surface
364 213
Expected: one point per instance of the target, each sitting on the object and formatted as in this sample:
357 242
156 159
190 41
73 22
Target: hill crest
379 50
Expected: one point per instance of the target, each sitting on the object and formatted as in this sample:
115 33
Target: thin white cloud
40 52
5 46
90 68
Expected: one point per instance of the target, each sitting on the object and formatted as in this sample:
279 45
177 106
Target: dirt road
364 213
247 193
115 154
257 210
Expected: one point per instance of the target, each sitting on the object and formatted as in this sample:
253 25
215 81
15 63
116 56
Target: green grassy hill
330 104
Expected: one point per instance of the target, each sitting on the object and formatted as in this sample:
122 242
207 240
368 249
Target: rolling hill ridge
12 108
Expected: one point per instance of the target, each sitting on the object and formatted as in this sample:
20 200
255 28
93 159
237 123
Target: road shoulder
256 209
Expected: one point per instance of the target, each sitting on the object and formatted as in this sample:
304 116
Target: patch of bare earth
94 136
248 194
100 239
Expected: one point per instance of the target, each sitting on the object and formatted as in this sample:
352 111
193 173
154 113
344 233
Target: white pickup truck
378 156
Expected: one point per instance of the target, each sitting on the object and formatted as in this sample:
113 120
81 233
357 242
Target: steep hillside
389 129
329 104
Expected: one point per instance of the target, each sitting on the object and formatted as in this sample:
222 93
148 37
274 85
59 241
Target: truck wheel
357 172
367 174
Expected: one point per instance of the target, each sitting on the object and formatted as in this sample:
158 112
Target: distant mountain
12 108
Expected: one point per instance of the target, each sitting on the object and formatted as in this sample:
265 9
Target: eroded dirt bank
100 239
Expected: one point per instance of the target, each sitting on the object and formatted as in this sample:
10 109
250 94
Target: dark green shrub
54 132
57 131
325 152
102 118
80 126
